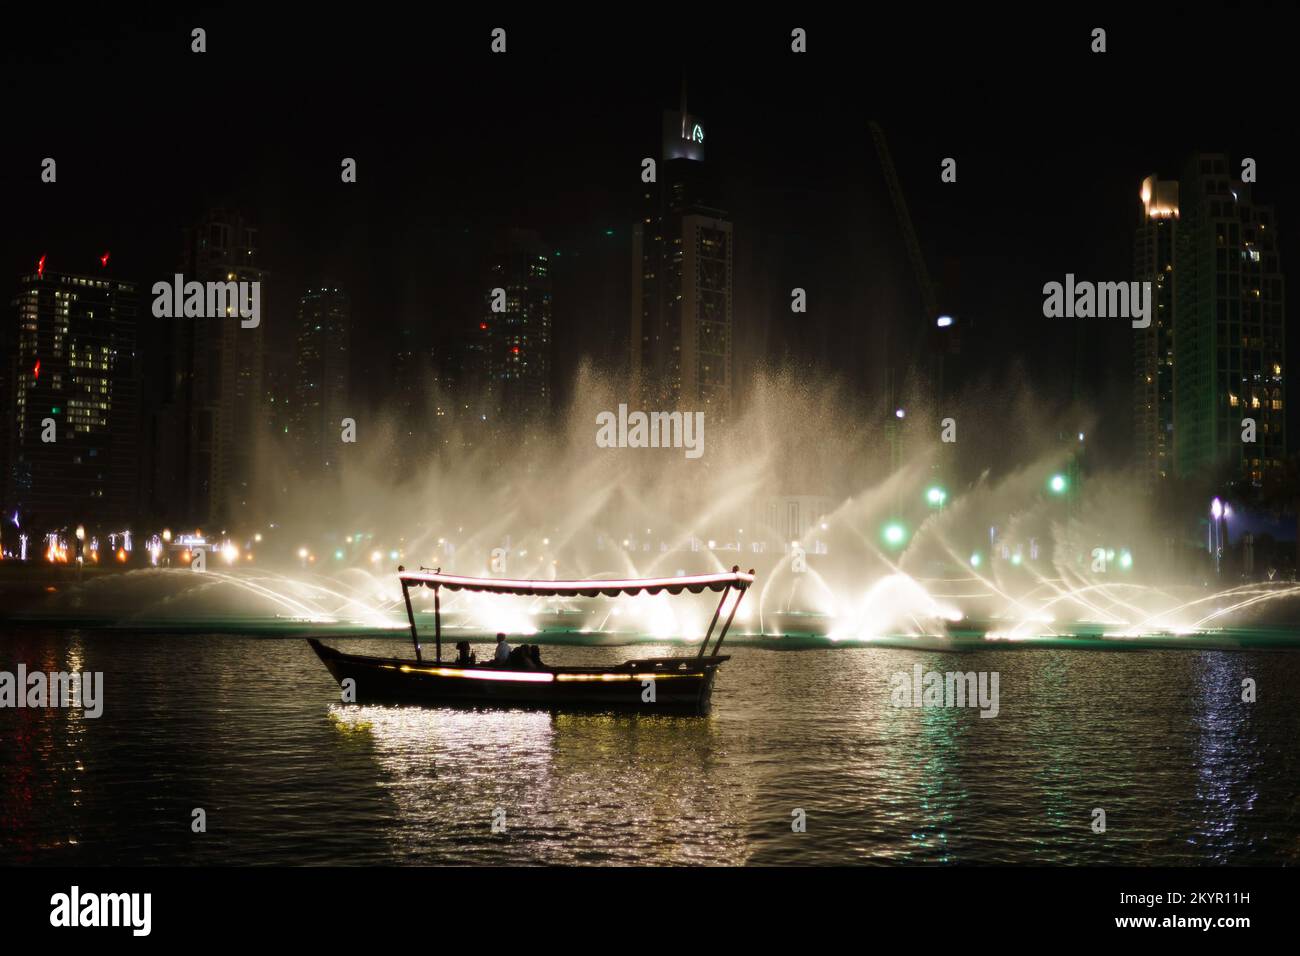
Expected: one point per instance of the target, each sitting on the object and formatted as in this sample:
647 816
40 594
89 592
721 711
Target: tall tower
519 340
1229 334
324 331
73 423
1153 347
680 337
212 404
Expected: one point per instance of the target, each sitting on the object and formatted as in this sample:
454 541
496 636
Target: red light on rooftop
103 261
36 372
40 267
483 326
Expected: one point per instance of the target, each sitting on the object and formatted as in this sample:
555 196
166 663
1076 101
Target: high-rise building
210 412
680 340
73 421
519 339
280 384
1229 333
1153 358
8 369
324 330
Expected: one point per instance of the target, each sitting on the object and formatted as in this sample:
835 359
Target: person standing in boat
503 651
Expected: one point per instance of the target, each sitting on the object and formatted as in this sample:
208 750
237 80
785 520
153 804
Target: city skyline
800 166
397 415
221 465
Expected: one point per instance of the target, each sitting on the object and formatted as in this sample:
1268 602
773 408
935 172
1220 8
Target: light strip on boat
529 676
646 676
526 676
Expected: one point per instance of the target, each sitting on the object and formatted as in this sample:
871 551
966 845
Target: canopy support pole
410 616
713 623
437 621
730 617
723 633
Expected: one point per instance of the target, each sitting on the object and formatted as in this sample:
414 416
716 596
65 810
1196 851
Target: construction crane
928 300
905 224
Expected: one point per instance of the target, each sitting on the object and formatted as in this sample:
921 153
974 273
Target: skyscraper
8 370
519 339
680 340
280 385
1153 365
73 420
205 431
1229 334
324 331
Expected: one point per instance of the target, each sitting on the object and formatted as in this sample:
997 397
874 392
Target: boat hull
655 685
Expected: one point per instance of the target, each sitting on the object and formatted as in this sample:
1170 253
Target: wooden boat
653 685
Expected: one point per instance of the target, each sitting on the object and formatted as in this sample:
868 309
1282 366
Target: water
248 729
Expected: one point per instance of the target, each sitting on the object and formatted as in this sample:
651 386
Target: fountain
862 529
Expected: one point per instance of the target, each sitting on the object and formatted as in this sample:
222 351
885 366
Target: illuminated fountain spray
874 553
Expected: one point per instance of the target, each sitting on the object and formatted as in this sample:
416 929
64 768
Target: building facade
1229 331
680 337
211 409
73 427
518 340
324 334
1153 393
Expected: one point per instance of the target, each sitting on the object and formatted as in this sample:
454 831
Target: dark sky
1051 142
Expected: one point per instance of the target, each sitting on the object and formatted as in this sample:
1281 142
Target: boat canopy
694 583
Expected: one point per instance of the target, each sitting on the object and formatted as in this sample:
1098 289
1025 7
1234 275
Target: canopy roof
695 583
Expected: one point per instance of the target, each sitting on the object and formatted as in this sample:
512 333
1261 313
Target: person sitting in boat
464 654
502 655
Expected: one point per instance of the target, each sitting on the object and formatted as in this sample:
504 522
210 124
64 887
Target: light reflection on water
250 730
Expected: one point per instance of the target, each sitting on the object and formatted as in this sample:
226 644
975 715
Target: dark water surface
250 730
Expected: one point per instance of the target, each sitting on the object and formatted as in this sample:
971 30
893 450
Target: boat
653 685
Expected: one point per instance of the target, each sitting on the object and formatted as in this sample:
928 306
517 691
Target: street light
936 496
894 534
1057 483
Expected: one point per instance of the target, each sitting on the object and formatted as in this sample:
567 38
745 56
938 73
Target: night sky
1051 141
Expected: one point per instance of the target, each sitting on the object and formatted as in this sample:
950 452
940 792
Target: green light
338 555
975 560
1125 560
1015 558
894 534
1058 484
936 496
54 409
